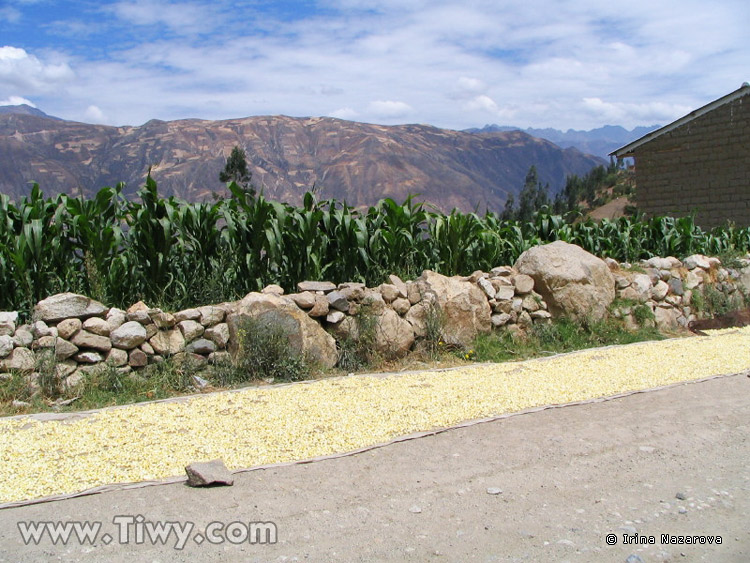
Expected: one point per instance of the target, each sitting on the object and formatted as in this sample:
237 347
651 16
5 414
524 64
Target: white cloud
9 14
24 73
183 17
95 114
16 101
577 63
621 112
344 113
389 109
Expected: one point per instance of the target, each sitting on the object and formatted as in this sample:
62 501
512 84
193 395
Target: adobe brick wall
702 166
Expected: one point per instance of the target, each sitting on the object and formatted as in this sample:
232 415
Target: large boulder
305 335
572 282
464 308
394 336
66 305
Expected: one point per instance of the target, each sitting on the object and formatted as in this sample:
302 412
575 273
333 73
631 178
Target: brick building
699 163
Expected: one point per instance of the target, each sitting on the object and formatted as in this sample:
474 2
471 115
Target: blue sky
533 63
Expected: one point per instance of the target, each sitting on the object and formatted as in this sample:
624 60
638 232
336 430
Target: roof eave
628 150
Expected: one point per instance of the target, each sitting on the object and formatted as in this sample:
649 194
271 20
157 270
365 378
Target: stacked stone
666 286
84 335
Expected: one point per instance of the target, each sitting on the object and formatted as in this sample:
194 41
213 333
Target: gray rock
633 558
73 380
187 315
151 330
531 303
505 293
23 338
500 319
218 334
570 280
502 271
66 305
64 349
85 339
7 328
494 490
162 320
211 315
523 283
128 335
659 263
6 345
117 357
44 342
115 318
321 307
9 317
335 317
137 358
414 295
190 360
190 330
666 318
401 306
394 336
95 325
417 318
202 474
304 300
541 314
65 368
403 292
139 316
487 287
389 292
220 358
201 346
67 328
40 328
659 291
273 289
314 286
337 300
169 342
88 357
697 261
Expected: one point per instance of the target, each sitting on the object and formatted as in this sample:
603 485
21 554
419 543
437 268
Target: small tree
236 171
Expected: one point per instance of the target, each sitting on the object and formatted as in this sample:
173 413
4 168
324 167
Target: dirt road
546 486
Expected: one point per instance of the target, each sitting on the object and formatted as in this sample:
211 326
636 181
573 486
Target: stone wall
83 335
702 166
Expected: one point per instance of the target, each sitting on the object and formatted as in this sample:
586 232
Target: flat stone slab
203 474
315 286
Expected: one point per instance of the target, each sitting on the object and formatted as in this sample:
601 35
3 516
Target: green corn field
174 254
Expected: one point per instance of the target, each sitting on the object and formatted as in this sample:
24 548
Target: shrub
264 353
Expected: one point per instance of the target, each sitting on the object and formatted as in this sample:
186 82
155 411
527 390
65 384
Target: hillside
599 142
347 160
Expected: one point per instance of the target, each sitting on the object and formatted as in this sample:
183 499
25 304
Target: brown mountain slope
358 162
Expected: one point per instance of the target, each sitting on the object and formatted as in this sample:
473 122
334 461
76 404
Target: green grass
563 335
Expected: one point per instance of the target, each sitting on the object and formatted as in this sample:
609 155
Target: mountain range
599 142
356 162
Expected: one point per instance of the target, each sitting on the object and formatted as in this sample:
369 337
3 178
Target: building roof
628 149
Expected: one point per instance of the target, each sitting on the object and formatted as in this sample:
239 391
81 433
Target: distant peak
25 109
